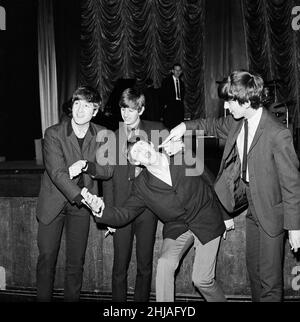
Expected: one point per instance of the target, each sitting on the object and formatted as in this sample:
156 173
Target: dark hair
176 64
129 147
243 87
130 144
134 95
88 94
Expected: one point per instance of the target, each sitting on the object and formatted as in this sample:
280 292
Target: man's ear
95 112
247 104
142 110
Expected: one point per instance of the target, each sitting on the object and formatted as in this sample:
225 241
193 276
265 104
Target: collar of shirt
175 79
252 127
253 122
162 172
131 131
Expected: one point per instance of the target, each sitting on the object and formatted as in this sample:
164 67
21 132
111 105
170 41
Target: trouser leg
145 231
203 275
122 241
48 241
252 256
271 267
264 257
76 231
171 253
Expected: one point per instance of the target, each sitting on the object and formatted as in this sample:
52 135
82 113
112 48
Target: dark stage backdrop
67 46
274 50
140 39
99 42
20 121
224 48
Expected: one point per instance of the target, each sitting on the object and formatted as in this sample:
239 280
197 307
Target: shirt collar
70 129
128 129
174 78
254 119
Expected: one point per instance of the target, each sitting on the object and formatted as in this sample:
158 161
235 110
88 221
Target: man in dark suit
116 191
259 168
189 209
70 162
173 91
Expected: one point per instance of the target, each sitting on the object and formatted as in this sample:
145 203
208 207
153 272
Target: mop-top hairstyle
89 94
134 95
243 87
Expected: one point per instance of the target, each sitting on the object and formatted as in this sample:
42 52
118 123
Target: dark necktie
244 163
177 89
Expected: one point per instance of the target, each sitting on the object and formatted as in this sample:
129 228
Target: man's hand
173 147
95 203
294 239
175 134
229 226
76 168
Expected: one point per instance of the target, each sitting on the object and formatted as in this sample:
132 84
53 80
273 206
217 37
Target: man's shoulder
273 124
141 180
103 134
152 125
98 127
56 128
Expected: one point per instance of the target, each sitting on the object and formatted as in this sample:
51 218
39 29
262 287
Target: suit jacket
189 204
117 189
274 179
169 91
61 150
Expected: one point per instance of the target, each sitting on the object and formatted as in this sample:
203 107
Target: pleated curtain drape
274 49
225 48
47 65
143 39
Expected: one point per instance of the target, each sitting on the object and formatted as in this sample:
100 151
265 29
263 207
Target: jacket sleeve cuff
78 199
91 169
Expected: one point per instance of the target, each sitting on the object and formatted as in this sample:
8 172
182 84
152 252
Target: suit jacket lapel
174 171
153 180
72 137
259 129
232 139
88 137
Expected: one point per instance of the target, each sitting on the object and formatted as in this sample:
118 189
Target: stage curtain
47 65
273 48
141 39
67 43
224 47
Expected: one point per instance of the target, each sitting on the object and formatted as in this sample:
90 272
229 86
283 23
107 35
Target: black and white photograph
149 156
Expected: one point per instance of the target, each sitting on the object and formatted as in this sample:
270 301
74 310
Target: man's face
177 71
130 114
143 153
236 109
83 111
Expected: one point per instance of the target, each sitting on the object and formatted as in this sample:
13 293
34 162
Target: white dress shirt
162 173
252 127
178 96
